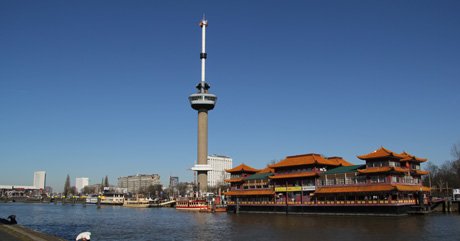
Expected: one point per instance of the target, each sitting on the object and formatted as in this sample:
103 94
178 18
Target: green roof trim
259 176
344 169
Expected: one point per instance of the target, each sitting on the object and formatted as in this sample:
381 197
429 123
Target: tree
73 190
106 181
446 176
89 190
184 188
273 161
67 188
456 161
152 190
456 151
215 189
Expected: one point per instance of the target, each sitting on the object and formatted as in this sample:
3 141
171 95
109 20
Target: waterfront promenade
20 233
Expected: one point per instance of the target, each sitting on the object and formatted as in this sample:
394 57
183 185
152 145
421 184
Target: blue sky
95 88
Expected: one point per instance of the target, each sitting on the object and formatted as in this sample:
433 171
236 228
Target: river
119 223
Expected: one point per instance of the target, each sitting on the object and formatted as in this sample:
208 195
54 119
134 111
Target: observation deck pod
202 101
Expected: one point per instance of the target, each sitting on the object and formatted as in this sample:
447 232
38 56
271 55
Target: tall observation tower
202 101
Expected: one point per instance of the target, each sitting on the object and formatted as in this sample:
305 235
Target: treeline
72 190
445 177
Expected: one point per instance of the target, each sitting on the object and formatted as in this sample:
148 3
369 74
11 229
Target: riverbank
21 233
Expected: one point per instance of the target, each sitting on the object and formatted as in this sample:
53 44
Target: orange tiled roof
380 153
306 159
382 169
400 169
294 175
242 168
409 157
371 188
234 180
266 170
421 172
249 192
339 160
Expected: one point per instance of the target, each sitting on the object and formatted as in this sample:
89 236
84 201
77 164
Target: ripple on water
118 223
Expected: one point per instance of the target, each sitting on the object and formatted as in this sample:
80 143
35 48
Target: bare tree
273 161
73 190
446 176
152 191
183 188
455 151
89 190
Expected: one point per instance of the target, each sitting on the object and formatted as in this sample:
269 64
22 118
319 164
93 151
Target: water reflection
118 223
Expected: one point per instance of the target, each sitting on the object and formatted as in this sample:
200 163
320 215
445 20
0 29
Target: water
118 223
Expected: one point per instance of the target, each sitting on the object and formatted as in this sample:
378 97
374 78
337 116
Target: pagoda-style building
388 183
249 185
295 177
387 178
237 174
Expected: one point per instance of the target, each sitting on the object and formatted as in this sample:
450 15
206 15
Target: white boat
92 199
137 202
112 199
106 199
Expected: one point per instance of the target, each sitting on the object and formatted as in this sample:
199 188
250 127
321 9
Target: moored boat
112 199
137 202
192 204
215 209
92 199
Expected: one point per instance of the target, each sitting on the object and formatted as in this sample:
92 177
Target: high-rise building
217 174
173 181
81 182
202 101
40 179
137 182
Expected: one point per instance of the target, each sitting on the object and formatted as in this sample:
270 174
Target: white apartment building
40 179
218 163
81 182
137 182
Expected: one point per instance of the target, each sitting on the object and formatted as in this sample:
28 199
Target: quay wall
20 233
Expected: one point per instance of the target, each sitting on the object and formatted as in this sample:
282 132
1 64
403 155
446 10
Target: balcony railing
320 203
367 182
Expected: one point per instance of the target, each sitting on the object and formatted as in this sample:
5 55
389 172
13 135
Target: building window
340 181
348 180
374 179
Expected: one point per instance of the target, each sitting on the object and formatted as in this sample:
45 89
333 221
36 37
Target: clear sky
95 88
